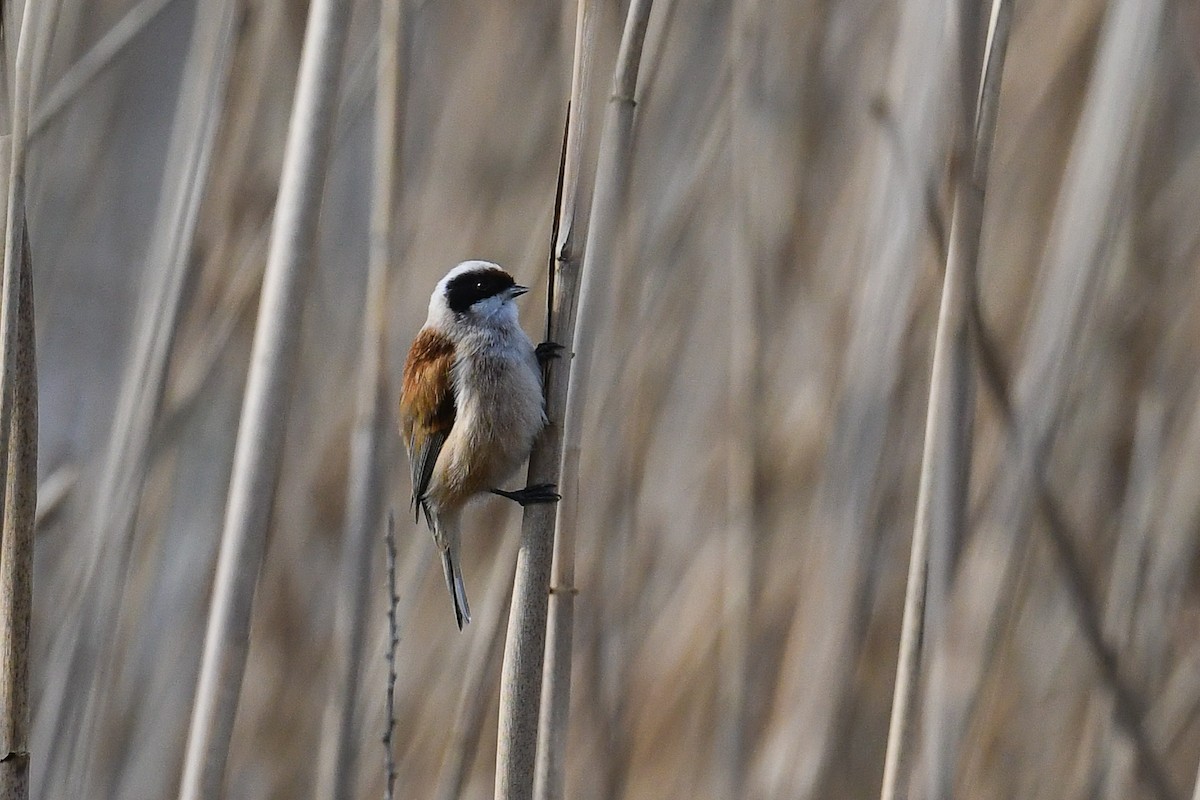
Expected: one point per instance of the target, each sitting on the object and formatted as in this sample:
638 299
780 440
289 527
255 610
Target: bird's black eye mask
465 290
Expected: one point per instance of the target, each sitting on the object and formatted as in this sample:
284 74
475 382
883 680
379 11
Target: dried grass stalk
942 495
101 55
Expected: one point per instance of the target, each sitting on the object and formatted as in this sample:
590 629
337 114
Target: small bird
471 405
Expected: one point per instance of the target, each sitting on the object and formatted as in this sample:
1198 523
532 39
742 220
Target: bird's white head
475 294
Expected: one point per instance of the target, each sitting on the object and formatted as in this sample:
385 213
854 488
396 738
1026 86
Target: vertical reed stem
260 435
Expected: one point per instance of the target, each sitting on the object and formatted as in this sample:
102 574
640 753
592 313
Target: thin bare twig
389 758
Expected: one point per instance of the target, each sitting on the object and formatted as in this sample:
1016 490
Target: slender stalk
260 435
47 25
525 641
16 547
365 483
742 460
952 391
941 501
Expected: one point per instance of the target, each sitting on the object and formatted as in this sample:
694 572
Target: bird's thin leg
531 495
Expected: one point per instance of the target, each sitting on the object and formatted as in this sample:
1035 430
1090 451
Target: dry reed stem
14 227
525 640
983 56
16 546
365 482
941 502
260 435
549 764
608 205
18 431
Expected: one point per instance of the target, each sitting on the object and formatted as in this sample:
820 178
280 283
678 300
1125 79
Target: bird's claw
547 351
531 495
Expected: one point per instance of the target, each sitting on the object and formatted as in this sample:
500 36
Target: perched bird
471 405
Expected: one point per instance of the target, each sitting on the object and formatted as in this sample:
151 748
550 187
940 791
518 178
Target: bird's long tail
458 592
447 537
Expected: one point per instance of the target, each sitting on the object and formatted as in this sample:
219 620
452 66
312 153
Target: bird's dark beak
517 291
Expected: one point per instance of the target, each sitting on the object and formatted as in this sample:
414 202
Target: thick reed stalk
14 225
260 435
365 483
525 641
16 544
548 765
608 205
18 433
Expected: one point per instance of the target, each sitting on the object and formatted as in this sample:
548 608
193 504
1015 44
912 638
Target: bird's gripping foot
547 352
532 495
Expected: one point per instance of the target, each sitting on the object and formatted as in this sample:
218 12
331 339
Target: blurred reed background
753 442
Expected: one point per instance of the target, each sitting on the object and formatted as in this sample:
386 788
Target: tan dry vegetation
820 158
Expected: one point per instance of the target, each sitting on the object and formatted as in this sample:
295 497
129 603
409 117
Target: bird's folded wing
427 406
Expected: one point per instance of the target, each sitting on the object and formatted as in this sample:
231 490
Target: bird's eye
479 285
